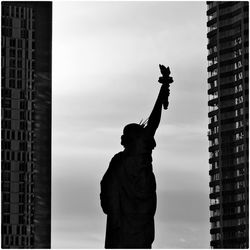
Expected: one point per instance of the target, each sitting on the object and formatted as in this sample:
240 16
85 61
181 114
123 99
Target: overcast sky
105 73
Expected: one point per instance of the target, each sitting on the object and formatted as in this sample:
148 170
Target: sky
105 75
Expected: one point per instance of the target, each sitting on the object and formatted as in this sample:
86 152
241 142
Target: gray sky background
105 73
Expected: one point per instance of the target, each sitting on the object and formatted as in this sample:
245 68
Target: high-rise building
26 124
228 77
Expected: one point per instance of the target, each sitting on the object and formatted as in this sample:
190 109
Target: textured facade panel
22 24
228 81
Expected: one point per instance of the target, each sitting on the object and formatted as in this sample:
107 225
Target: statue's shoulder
113 167
117 158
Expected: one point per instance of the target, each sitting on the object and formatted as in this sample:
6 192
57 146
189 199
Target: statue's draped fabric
128 197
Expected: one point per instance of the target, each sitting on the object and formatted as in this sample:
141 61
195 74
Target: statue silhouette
128 188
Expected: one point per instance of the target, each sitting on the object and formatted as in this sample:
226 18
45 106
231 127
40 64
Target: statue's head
131 132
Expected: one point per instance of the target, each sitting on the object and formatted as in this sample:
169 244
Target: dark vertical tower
26 124
228 123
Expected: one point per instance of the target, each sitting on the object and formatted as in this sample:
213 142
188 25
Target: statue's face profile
131 133
134 140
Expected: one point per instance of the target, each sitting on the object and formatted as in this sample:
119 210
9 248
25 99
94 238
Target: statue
128 188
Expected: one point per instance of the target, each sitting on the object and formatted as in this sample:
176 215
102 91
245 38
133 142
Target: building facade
26 102
228 78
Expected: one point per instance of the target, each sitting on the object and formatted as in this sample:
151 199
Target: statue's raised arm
162 100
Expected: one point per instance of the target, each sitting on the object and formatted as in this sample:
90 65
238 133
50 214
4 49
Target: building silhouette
26 124
228 77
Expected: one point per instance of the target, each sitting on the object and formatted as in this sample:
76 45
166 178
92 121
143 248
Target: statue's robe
128 197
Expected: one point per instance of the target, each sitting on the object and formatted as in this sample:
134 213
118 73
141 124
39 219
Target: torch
166 80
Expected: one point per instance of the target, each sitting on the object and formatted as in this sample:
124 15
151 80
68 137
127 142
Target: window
12 43
23 125
239 148
216 164
239 112
6 218
240 184
237 65
215 130
19 53
215 224
238 88
5 10
12 83
8 134
241 209
21 220
237 41
6 145
4 229
238 76
23 146
212 16
19 84
7 113
240 197
212 27
213 96
11 240
12 52
215 201
22 95
12 63
213 61
237 52
213 107
6 177
19 63
21 177
214 142
6 166
215 189
23 23
6 207
24 137
24 34
22 105
13 156
12 73
22 13
239 124
16 240
214 84
21 198
13 135
239 100
215 213
22 115
212 50
216 236
216 153
24 156
21 209
239 136
6 240
20 43
31 241
213 119
214 72
21 187
239 160
19 73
